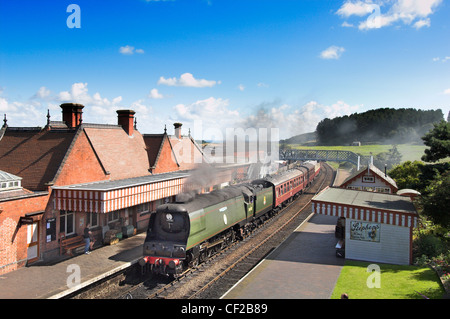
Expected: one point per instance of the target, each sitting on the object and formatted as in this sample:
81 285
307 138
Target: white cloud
289 120
79 94
20 114
98 109
263 85
333 52
443 60
5 106
241 87
345 24
340 108
154 94
422 23
208 110
188 80
415 12
129 50
447 92
358 8
42 93
411 9
126 49
206 117
293 121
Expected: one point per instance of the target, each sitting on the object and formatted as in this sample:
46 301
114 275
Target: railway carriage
303 180
286 185
310 174
316 167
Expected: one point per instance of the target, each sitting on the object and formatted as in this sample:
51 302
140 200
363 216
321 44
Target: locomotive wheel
202 257
193 263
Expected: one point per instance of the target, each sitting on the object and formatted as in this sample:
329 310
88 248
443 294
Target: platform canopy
108 196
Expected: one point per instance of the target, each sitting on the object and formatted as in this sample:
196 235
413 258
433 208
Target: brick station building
71 173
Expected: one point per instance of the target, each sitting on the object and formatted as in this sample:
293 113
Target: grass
409 152
396 282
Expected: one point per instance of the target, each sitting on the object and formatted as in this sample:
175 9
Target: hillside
306 138
383 126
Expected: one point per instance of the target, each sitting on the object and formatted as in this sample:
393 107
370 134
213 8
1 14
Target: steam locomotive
185 233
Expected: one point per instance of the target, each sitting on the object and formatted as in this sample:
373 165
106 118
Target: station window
93 219
113 216
67 222
143 208
386 190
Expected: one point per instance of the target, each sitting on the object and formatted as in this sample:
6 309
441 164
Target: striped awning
108 196
366 206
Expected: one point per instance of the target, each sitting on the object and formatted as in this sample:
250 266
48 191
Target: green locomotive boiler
186 232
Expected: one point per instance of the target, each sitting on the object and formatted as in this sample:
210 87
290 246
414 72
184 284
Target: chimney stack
125 118
177 129
72 114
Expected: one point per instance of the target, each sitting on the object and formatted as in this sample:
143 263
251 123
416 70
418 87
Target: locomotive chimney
177 129
72 114
125 119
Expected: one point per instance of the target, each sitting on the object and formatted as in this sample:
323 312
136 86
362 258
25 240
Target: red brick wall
81 165
13 239
166 162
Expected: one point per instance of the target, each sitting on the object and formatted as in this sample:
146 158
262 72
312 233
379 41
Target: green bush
429 245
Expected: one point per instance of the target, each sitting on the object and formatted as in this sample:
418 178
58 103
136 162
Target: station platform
304 266
60 279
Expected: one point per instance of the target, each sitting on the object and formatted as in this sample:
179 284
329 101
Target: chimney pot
125 118
177 129
72 114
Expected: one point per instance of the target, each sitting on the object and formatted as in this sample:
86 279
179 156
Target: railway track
273 234
212 278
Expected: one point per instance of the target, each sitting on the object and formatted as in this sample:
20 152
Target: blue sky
228 63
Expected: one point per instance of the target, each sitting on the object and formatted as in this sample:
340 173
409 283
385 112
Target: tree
438 139
407 175
390 159
435 202
394 156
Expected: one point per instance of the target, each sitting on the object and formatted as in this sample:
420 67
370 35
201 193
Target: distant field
408 151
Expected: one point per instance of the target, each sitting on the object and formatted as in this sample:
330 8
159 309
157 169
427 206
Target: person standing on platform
87 239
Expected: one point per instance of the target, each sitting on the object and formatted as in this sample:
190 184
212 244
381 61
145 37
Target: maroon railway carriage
316 167
287 184
310 174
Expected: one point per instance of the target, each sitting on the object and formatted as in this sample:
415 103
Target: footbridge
325 155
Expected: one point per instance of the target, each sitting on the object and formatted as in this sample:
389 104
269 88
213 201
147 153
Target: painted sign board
365 231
